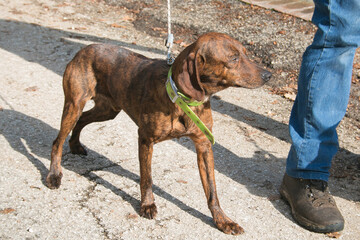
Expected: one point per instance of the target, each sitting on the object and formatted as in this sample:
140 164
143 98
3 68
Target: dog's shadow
33 138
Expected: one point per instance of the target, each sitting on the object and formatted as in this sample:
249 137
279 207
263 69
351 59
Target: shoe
312 205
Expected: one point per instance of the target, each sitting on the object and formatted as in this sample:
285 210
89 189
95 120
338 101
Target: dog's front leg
205 160
148 207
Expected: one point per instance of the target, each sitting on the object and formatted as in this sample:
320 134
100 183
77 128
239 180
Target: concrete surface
99 197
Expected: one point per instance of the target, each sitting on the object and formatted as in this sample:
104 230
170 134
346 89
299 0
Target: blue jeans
323 89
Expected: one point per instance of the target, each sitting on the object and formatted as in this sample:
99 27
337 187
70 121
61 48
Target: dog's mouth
228 83
246 83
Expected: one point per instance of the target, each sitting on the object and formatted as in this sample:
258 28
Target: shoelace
318 193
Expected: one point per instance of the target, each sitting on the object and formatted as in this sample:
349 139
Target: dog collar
184 102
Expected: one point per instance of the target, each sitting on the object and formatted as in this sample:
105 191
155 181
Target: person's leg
321 102
323 89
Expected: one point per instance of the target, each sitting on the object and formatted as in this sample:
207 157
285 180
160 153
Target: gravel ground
100 197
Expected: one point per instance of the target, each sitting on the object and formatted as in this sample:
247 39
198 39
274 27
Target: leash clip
169 43
170 58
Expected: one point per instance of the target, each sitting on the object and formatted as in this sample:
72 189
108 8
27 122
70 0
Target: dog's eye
235 58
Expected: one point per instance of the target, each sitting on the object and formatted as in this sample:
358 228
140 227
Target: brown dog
118 79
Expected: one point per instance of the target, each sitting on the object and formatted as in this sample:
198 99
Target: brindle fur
118 79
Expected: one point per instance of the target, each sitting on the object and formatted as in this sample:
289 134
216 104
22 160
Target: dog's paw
148 211
230 227
77 149
53 181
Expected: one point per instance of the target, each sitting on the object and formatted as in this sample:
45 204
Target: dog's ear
188 79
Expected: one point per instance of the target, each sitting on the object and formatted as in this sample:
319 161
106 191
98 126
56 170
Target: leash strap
183 102
169 42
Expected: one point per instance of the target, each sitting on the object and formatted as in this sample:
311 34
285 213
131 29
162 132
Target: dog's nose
266 75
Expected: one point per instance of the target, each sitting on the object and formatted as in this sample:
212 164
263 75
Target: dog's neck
184 103
174 92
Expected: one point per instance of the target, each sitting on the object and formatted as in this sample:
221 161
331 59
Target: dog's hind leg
71 113
102 111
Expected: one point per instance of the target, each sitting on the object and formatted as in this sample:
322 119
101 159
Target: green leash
184 102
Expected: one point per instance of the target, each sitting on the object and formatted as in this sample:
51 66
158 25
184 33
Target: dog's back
112 72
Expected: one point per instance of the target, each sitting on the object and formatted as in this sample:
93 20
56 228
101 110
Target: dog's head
214 62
